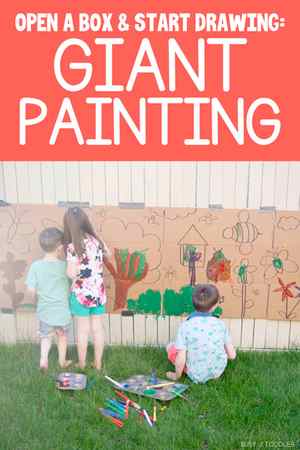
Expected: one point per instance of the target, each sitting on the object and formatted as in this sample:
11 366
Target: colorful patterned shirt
88 286
203 338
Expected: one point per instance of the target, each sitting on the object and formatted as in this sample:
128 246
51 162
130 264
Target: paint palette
68 381
140 385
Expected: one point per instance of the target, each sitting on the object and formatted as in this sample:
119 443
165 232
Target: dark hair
50 239
205 296
77 226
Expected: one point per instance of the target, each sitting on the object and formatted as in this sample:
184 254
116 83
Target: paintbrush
108 416
180 395
113 381
161 385
131 402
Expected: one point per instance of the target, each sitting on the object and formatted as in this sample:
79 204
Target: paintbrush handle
113 381
161 385
117 422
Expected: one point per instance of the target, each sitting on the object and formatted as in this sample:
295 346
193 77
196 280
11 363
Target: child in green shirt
48 280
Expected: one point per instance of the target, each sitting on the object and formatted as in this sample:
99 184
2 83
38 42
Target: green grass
256 401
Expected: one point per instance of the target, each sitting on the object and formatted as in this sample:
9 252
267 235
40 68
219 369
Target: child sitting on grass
203 344
48 280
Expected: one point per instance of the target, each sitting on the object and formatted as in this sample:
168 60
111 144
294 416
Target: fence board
235 331
60 180
138 182
151 330
73 181
48 183
139 329
127 330
259 340
22 182
10 181
26 326
247 333
175 321
111 178
86 181
293 198
2 183
163 184
255 183
242 184
283 334
151 184
268 184
115 329
271 334
229 184
99 196
106 326
294 340
163 330
216 183
202 184
281 184
7 328
124 174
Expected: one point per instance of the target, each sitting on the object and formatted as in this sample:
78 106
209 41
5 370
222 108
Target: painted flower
244 271
277 262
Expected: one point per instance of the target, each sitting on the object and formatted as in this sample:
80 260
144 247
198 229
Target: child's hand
171 376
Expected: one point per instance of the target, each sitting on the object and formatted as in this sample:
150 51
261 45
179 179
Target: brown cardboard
250 238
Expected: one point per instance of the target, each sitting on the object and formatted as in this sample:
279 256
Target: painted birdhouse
192 242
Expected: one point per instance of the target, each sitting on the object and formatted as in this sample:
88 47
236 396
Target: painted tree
130 269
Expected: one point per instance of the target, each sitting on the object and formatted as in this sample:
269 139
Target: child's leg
172 356
83 328
172 353
98 337
62 344
45 348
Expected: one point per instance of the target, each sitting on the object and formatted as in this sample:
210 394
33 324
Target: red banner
160 81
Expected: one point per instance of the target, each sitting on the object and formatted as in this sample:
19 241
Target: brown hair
205 296
50 239
76 227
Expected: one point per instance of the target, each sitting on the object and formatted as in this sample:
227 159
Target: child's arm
31 281
73 269
230 350
31 291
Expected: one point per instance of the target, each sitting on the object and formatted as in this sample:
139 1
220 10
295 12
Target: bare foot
44 369
79 366
171 376
66 364
96 366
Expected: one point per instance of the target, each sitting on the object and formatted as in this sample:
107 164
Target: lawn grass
256 404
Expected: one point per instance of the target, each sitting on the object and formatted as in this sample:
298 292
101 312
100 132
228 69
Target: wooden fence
140 329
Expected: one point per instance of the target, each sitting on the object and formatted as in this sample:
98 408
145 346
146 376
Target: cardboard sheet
251 256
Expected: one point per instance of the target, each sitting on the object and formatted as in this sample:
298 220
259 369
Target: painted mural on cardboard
159 254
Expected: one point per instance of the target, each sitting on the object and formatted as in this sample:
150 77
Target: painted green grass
256 404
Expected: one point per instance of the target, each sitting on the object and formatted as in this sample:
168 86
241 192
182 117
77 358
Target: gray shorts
46 330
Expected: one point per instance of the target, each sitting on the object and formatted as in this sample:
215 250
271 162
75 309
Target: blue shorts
77 309
46 330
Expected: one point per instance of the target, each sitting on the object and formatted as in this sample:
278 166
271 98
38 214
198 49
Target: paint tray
137 385
69 381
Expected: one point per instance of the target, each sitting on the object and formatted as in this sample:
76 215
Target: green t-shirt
51 283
